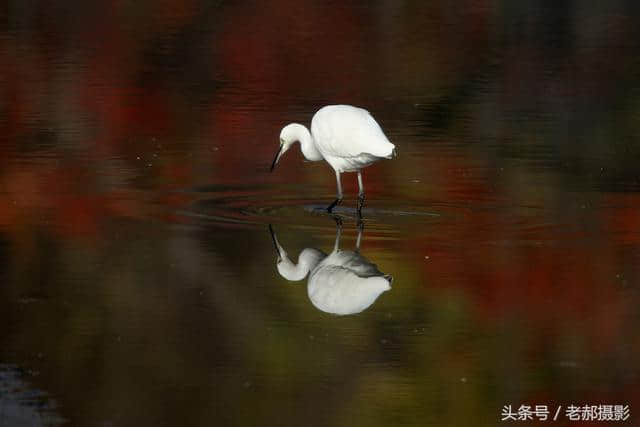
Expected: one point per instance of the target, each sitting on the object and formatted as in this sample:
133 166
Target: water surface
138 276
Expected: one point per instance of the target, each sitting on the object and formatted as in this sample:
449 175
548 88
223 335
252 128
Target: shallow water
138 277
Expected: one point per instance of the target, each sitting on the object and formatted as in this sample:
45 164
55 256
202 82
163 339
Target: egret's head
288 136
284 265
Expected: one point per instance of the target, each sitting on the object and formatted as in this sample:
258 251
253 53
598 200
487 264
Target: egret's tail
393 155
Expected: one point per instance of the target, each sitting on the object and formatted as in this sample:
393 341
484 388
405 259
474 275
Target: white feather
349 133
343 282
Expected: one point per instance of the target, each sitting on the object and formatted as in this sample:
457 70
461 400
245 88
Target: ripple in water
249 207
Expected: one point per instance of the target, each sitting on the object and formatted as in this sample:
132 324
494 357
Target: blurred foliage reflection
137 278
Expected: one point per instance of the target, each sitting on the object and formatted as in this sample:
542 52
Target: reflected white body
343 282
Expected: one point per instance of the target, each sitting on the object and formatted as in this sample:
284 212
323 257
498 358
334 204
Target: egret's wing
364 269
340 291
352 262
345 131
313 253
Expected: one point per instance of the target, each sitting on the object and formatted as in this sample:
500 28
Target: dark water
138 280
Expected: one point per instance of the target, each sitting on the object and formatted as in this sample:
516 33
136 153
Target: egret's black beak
275 242
275 159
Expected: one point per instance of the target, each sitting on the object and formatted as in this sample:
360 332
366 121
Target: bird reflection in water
343 282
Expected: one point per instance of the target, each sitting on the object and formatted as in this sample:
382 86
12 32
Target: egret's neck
307 260
307 144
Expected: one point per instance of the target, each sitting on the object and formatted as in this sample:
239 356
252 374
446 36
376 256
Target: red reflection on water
110 120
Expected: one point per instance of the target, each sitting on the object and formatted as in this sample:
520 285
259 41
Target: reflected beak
276 158
275 242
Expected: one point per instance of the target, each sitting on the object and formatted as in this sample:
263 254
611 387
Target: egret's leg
336 245
360 194
338 221
359 238
339 199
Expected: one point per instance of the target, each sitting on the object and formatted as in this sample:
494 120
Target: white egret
343 282
347 137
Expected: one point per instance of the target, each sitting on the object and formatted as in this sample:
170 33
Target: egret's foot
333 205
360 204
